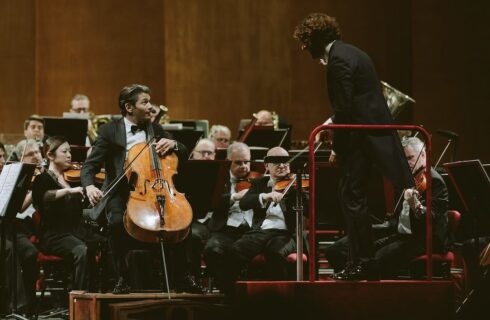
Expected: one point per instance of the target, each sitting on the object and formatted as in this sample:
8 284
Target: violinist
273 224
28 268
229 222
62 230
408 239
29 152
111 148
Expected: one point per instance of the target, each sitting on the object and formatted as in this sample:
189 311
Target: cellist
111 148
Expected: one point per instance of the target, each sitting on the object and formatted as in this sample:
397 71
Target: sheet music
8 178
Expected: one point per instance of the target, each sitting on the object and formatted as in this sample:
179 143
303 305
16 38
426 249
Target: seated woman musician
62 231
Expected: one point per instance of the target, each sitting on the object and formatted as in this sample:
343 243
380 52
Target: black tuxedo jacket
110 150
220 215
440 202
356 98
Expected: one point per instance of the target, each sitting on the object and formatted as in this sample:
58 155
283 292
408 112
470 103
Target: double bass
156 211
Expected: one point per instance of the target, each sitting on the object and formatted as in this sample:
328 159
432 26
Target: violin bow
293 180
413 171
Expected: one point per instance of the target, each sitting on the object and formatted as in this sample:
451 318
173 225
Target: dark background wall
223 60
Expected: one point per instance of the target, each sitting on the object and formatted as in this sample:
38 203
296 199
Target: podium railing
428 150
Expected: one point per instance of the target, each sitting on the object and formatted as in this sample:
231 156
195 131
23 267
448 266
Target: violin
420 180
286 184
72 174
245 182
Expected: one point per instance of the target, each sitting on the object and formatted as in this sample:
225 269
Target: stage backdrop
223 60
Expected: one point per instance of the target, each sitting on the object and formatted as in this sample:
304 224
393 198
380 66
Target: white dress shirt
324 59
236 216
133 138
274 217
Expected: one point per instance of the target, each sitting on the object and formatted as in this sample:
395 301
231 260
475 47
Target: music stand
198 124
473 187
256 153
221 154
297 164
74 130
203 183
187 137
14 181
267 137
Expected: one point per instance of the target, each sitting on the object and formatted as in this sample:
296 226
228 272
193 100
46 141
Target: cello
156 211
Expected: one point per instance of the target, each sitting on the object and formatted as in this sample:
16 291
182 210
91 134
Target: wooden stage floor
256 300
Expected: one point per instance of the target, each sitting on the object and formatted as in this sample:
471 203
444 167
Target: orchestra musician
27 266
356 98
33 130
220 135
407 241
80 104
272 228
114 141
205 149
62 229
229 222
29 152
264 118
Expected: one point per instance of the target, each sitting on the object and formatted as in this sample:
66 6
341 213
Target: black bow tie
135 129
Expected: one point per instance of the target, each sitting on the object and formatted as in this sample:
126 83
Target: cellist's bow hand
164 145
93 194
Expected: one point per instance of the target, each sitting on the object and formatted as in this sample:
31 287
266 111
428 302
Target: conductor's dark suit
356 98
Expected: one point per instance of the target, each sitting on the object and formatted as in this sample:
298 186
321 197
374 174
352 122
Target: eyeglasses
279 164
240 162
80 110
205 153
222 139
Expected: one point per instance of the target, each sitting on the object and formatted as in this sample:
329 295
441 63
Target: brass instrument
395 99
275 119
94 123
162 116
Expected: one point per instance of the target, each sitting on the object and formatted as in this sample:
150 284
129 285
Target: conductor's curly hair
317 26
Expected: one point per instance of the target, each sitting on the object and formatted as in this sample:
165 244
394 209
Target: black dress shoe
341 275
121 287
187 284
363 271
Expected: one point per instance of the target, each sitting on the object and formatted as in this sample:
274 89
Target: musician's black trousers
121 243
